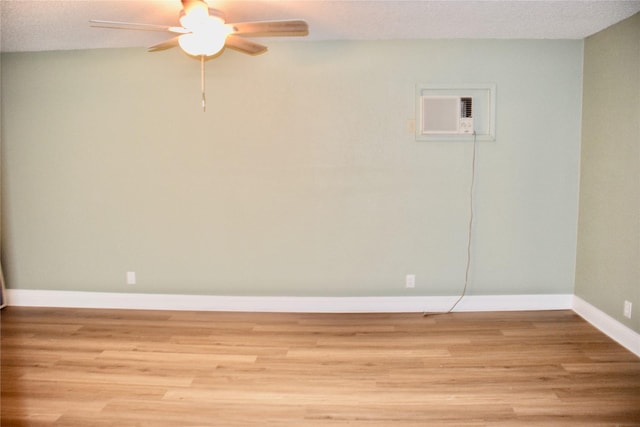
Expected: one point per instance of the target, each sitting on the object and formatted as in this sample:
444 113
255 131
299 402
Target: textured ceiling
28 25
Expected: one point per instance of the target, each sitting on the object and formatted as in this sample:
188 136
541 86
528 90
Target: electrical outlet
627 309
131 277
410 281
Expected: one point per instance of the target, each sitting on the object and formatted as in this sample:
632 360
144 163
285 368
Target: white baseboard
617 331
390 304
415 304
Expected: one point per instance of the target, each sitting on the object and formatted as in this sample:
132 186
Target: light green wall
302 178
608 263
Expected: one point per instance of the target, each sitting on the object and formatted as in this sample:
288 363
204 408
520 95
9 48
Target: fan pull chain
204 100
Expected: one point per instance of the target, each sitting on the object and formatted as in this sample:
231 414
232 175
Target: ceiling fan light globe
201 44
192 21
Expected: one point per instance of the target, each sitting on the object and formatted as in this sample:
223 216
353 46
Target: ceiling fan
204 32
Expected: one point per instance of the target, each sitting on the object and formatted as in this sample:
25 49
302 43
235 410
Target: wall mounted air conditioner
446 115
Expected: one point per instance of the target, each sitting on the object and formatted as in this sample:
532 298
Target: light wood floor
73 367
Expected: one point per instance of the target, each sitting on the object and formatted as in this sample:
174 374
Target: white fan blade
167 44
244 45
136 26
295 27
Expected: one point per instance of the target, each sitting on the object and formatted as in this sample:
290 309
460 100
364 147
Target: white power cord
470 231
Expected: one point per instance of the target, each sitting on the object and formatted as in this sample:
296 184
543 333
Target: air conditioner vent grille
466 106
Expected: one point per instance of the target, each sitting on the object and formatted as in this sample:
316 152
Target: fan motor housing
212 12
